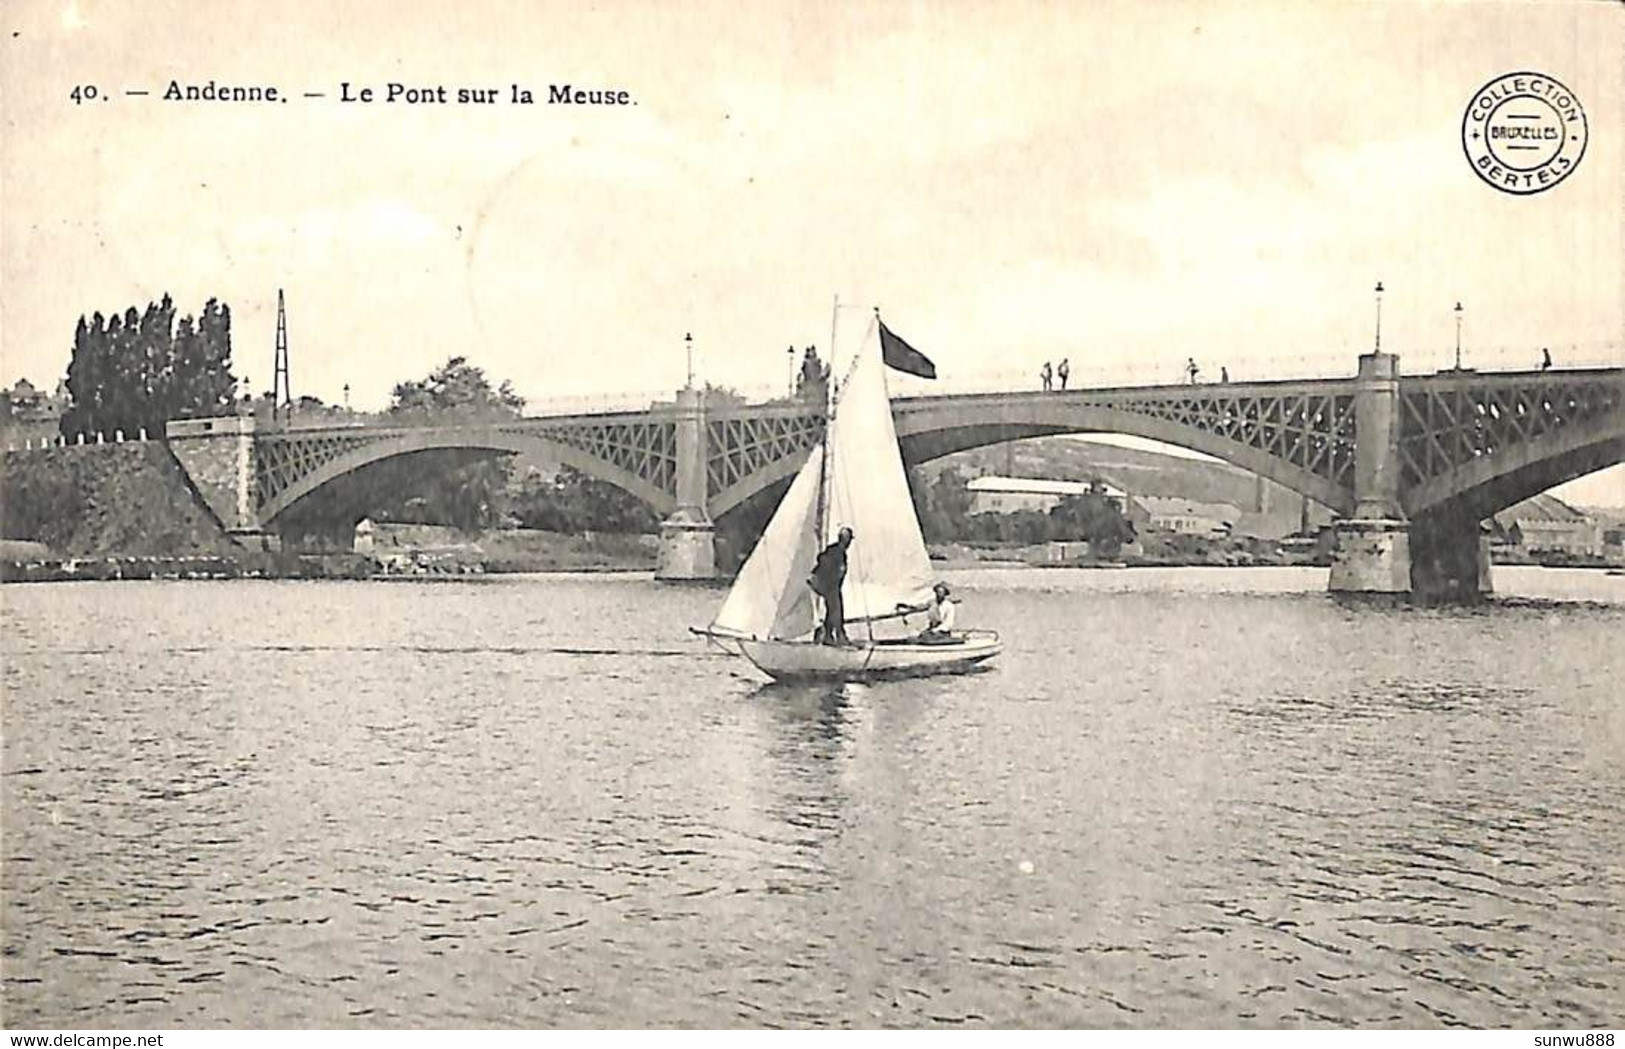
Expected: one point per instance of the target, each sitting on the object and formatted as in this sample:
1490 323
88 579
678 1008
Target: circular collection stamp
1524 132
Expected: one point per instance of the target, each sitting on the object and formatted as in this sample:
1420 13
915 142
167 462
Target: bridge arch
765 477
931 427
1491 483
924 440
1481 443
374 447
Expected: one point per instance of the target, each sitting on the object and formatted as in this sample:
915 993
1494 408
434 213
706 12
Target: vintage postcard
850 514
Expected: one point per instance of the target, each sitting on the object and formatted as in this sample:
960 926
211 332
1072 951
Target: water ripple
1249 809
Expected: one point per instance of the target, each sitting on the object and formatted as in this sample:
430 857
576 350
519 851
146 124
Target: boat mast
821 534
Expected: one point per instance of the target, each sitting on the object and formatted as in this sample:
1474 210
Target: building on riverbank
1546 524
1613 545
992 494
1188 517
28 414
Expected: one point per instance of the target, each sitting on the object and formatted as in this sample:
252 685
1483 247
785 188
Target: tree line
137 370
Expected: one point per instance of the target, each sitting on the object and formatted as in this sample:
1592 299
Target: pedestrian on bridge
1045 374
1224 374
814 376
1063 371
1545 359
1191 369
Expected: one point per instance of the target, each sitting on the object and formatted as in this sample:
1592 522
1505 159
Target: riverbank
427 550
397 550
244 565
1077 555
412 549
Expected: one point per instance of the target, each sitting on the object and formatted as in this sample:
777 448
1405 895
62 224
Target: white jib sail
868 489
770 597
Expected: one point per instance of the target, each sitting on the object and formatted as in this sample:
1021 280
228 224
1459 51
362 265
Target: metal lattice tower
281 390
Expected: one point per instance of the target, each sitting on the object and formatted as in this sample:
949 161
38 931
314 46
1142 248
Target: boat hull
806 661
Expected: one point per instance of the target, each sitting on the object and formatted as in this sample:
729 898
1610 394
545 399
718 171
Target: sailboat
853 479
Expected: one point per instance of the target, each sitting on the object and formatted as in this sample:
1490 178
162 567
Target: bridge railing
1086 373
587 404
1514 358
599 403
1091 374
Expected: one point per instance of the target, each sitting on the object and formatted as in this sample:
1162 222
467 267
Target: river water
1185 797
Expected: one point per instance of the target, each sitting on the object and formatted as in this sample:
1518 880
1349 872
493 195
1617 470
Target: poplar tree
85 370
138 370
155 357
211 386
118 387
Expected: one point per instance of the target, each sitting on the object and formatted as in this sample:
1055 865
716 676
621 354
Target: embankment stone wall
124 499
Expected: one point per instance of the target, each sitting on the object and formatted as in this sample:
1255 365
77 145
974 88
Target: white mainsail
866 490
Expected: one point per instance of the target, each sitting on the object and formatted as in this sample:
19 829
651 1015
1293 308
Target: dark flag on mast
905 358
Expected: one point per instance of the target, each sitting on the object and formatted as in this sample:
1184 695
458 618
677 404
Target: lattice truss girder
646 450
281 462
739 446
1442 428
1314 432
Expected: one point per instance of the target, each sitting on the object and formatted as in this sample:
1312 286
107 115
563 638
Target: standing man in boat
828 573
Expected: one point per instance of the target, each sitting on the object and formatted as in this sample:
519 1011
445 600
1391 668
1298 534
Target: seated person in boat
940 625
828 573
941 609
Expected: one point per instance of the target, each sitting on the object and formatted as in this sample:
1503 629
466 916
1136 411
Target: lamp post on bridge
688 343
1379 317
1458 336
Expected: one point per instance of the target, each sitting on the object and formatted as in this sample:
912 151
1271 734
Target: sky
1123 184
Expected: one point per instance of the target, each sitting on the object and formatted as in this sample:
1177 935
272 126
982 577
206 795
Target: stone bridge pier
688 536
1374 542
1439 555
1450 557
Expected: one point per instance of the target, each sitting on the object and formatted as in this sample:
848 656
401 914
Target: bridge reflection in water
1410 464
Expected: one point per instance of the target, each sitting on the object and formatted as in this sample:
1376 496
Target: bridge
1410 464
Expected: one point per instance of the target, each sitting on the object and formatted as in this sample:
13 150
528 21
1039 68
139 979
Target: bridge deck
1457 432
